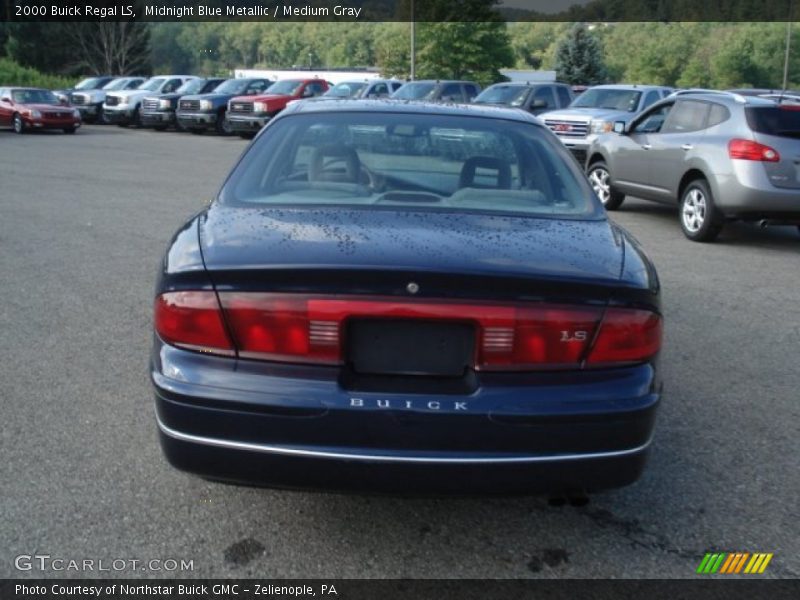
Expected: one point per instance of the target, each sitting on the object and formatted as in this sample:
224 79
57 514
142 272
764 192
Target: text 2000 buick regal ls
406 297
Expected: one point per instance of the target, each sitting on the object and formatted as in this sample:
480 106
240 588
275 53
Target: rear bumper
248 124
748 193
298 427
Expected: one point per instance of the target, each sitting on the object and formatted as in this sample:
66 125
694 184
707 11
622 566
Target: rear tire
19 124
700 219
69 130
600 178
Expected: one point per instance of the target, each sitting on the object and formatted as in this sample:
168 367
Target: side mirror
63 101
619 127
6 99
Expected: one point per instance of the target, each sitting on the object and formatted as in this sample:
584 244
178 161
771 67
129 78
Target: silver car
719 156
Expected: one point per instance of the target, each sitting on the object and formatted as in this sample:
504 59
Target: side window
451 91
563 96
687 115
653 121
471 90
172 85
651 98
255 87
315 87
545 93
379 89
133 84
396 85
718 114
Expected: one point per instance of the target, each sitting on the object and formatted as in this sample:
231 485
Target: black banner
398 10
394 589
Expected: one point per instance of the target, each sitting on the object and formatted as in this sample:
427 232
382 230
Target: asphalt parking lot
84 220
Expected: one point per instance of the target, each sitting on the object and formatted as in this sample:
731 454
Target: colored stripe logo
732 563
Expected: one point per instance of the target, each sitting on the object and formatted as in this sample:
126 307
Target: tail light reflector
307 329
750 150
192 320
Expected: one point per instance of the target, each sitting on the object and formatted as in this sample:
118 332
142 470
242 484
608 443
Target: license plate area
410 347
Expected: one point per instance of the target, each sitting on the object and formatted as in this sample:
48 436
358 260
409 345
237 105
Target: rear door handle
646 146
687 147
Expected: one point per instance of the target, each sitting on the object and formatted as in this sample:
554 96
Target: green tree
464 51
579 58
534 43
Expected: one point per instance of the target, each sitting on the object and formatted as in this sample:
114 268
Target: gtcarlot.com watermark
46 562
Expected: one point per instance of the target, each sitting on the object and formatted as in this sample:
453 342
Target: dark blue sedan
407 297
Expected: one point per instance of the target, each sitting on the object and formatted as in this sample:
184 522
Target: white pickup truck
124 108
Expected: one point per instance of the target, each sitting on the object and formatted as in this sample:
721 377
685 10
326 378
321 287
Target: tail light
307 329
750 150
192 320
626 336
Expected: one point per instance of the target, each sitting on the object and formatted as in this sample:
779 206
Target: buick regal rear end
407 298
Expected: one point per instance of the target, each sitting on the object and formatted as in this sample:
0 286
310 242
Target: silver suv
719 156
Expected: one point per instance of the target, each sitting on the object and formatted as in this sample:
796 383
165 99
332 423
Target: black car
158 111
533 97
204 111
407 297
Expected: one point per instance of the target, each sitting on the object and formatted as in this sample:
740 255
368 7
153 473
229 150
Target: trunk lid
301 249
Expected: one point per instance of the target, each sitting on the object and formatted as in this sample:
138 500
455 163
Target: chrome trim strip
289 451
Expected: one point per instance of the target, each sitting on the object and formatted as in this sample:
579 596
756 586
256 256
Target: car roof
440 81
526 84
411 107
722 97
628 86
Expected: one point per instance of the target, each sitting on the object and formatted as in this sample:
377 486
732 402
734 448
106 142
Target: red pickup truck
248 114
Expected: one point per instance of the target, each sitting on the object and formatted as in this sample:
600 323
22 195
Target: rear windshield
627 100
418 161
513 95
781 121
